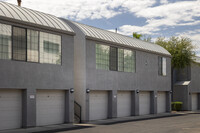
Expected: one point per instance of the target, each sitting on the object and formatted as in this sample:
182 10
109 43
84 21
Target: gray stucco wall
145 78
19 74
195 78
88 77
31 76
181 94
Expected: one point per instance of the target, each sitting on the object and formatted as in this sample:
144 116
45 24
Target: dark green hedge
176 106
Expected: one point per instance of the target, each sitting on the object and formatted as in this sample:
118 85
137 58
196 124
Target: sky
153 18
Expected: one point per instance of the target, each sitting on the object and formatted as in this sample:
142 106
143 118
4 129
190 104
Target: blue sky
151 17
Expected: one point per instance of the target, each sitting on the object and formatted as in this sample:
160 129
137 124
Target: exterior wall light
137 91
87 90
170 92
71 90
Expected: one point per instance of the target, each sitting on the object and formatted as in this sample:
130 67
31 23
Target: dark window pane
5 41
113 58
160 65
19 44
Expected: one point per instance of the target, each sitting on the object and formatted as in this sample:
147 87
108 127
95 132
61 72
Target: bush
176 106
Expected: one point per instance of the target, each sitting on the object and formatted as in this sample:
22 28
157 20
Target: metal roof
104 35
31 16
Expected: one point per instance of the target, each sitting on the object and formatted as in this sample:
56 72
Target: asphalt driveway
180 124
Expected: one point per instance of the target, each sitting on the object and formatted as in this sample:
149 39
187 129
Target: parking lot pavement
189 123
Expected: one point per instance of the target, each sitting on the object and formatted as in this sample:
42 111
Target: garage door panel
50 107
194 101
98 105
161 102
123 103
10 109
144 103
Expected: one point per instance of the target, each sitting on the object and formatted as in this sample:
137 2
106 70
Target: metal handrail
77 110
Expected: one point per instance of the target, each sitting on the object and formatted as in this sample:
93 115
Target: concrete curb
68 127
131 119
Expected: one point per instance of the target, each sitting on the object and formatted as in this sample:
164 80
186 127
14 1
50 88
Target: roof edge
11 20
126 46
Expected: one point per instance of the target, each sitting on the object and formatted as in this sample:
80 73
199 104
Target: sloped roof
104 35
31 16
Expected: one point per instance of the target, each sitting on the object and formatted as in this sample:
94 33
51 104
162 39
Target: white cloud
164 16
82 9
163 1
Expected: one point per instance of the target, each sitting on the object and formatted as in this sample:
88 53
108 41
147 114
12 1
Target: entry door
123 103
10 109
50 107
98 105
144 103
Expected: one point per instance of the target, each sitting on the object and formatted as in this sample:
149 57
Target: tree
136 35
180 48
142 37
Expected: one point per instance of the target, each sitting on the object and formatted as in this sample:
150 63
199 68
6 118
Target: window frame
38 46
11 35
26 43
110 59
161 68
13 43
117 58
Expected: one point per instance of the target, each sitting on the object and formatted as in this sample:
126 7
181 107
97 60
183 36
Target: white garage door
161 102
123 103
50 107
98 105
194 101
10 109
144 103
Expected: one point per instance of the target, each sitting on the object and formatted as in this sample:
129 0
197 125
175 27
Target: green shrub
176 106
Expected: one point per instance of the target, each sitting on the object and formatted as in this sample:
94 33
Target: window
102 57
129 61
50 48
162 62
113 58
5 41
120 59
32 45
19 44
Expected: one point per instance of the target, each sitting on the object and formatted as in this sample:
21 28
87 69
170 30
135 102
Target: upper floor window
5 41
19 44
102 56
32 46
162 63
50 48
23 44
129 61
114 58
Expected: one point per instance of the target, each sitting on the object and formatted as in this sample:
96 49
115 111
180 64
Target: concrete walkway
67 127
